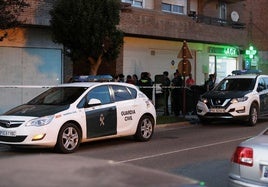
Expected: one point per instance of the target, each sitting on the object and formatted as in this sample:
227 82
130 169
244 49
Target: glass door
221 66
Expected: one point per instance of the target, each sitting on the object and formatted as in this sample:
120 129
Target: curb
184 123
189 120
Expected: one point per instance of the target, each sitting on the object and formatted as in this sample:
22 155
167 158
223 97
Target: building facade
217 32
156 29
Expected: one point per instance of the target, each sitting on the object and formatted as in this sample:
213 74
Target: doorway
221 66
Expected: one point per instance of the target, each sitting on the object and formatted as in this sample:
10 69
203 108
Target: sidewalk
185 120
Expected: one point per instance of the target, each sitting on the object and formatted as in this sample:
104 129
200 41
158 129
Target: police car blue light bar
248 71
93 78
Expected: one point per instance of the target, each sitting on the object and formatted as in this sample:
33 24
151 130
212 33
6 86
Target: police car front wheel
145 128
68 139
253 115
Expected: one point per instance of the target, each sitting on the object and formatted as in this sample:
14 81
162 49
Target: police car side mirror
94 102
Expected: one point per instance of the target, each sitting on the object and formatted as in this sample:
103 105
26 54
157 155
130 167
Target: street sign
184 67
185 52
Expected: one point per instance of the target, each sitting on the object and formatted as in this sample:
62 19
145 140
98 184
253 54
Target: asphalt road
196 151
193 150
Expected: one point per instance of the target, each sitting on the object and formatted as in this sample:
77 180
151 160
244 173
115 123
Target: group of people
145 82
171 89
174 88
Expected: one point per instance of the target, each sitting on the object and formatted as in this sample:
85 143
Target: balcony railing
217 21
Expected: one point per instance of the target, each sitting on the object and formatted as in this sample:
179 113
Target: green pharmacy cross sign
251 52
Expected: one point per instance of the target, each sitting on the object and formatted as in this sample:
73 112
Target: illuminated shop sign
251 52
228 51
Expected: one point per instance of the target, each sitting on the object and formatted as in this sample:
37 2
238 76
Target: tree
88 30
9 13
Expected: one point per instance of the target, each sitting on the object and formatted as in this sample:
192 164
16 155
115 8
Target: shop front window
222 66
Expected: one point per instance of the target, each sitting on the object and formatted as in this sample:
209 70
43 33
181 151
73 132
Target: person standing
146 85
176 93
190 81
165 89
121 77
130 80
135 79
210 83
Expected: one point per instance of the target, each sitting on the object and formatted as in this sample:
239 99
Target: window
266 82
222 66
58 96
136 3
121 93
223 10
261 85
166 7
102 93
133 92
178 7
236 85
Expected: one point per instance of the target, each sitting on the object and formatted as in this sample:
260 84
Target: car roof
247 71
245 76
78 84
90 84
92 78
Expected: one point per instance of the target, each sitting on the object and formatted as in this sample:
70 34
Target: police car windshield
58 96
244 84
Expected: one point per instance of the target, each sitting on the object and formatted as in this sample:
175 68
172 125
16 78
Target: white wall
27 57
28 67
153 56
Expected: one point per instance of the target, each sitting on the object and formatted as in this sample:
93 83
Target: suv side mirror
260 88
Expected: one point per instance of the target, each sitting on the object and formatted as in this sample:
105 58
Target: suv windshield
245 84
58 96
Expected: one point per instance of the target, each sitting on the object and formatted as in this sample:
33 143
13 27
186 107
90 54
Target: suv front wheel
253 115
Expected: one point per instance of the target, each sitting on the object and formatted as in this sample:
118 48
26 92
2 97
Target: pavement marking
180 150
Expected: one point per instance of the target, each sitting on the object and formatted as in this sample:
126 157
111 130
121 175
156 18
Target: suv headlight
237 100
204 100
40 121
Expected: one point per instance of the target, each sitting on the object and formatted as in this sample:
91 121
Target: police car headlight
237 100
40 121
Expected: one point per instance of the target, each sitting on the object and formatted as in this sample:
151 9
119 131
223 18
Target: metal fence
186 98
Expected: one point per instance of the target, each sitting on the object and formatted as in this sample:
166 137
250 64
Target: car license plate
7 133
217 110
265 172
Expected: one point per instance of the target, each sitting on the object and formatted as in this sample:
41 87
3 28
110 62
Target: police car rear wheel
253 115
68 139
145 129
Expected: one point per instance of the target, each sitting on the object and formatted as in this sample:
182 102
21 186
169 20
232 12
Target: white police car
69 114
243 97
